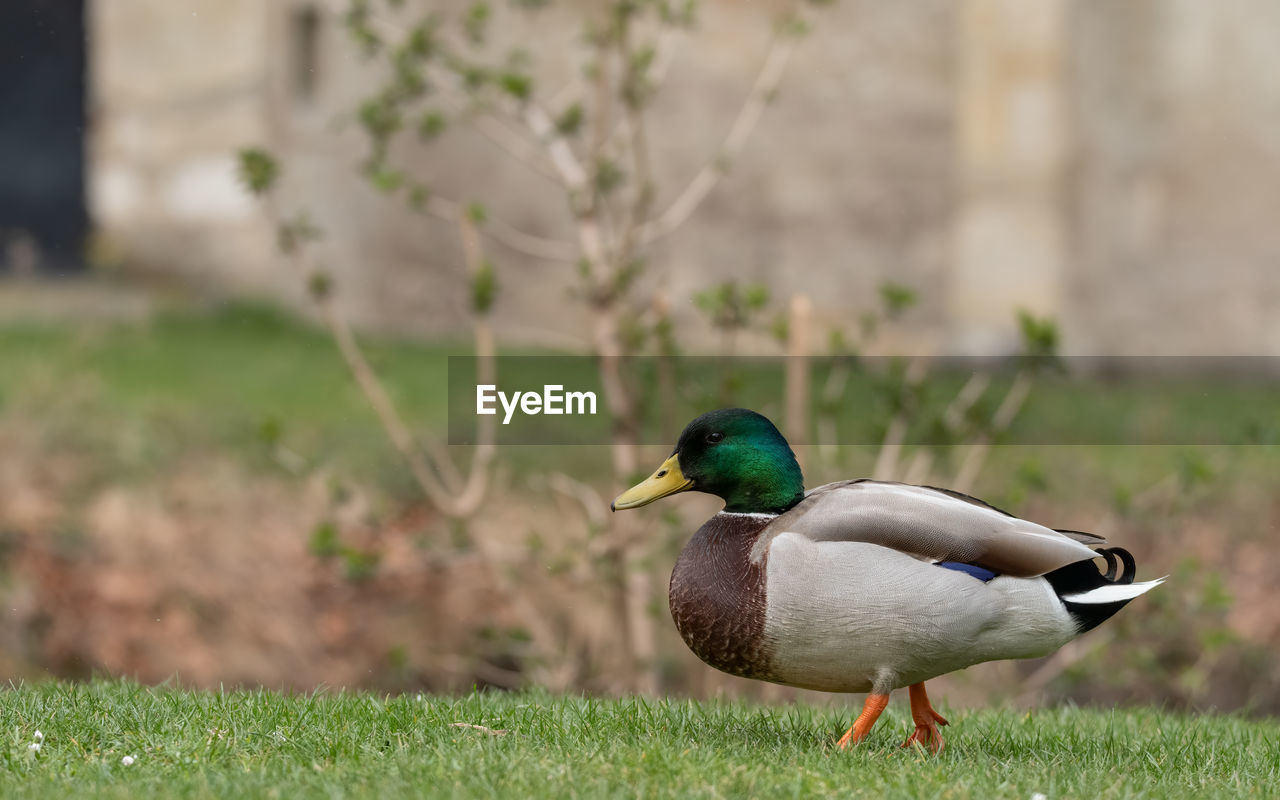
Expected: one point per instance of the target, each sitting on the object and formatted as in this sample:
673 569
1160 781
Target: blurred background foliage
162 520
217 490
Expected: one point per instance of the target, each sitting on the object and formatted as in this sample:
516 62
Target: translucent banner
561 400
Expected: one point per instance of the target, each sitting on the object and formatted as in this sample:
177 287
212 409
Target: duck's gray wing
933 525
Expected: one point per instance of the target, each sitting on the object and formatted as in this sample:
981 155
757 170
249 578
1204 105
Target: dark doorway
42 128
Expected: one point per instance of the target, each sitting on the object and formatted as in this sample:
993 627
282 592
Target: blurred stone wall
1175 247
175 88
1114 165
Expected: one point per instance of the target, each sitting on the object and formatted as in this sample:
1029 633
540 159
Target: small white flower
1039 796
39 737
127 760
34 747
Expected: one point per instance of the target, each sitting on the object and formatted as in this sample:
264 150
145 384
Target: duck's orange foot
927 721
928 736
871 710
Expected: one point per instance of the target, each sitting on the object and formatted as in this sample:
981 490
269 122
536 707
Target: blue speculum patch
981 574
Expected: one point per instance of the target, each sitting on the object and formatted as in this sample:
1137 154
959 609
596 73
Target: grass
258 743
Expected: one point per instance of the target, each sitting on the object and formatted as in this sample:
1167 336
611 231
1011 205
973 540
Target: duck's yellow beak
667 480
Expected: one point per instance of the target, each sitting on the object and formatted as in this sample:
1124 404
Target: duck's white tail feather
1113 592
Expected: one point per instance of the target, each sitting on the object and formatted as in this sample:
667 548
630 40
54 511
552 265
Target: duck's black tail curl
1092 596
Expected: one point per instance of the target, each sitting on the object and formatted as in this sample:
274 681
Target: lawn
333 744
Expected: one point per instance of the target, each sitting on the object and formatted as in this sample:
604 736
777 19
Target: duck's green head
735 454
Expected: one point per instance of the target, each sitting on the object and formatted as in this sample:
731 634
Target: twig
762 91
593 505
504 136
481 728
973 388
977 453
886 467
1012 402
1147 497
953 419
492 128
639 146
643 198
376 395
661 318
568 168
574 179
832 393
500 231
887 459
469 499
918 470
664 54
465 503
796 380
508 140
603 88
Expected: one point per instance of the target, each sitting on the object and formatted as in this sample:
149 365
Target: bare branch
886 467
664 55
832 392
796 381
503 135
510 141
378 399
567 165
973 389
705 180
467 502
977 453
531 244
603 88
639 146
890 454
953 419
469 499
575 180
593 504
918 470
508 235
1012 403
491 127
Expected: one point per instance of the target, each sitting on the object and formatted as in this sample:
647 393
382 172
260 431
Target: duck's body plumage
866 586
898 632
845 592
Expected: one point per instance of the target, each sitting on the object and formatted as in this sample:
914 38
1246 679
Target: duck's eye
712 438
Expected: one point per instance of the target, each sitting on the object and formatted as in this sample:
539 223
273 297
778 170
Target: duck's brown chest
718 595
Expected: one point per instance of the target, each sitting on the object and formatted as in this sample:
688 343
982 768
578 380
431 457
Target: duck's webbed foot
871 711
927 721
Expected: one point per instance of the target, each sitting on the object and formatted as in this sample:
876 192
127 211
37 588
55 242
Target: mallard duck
863 585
